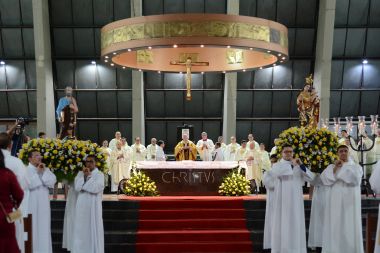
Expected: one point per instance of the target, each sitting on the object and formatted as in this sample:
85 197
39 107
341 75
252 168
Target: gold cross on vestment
189 63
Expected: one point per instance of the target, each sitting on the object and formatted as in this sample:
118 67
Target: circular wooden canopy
213 43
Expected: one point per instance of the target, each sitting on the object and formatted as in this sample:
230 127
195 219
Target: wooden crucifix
188 63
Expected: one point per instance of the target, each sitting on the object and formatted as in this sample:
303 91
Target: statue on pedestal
67 115
308 104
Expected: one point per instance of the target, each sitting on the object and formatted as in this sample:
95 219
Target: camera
22 122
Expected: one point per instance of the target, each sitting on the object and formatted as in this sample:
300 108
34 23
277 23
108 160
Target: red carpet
192 224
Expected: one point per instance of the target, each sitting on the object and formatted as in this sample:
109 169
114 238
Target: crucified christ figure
189 63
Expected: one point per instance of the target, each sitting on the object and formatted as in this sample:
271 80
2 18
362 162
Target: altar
187 178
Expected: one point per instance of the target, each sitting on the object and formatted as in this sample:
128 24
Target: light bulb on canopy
194 43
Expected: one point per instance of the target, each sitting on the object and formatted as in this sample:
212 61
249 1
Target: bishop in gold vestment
185 149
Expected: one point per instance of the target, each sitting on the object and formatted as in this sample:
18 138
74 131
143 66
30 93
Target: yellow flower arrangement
140 185
234 184
315 147
64 158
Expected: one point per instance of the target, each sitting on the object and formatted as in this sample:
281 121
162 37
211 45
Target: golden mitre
309 80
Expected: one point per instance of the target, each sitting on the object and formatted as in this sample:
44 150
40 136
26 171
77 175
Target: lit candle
361 125
374 124
349 124
337 125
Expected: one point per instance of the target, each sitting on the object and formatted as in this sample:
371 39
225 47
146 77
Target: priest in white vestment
266 165
317 213
251 139
269 184
41 179
377 146
88 230
113 142
18 168
254 166
288 223
343 136
242 151
342 232
375 184
273 151
160 154
205 148
151 150
138 150
231 150
119 166
222 144
218 154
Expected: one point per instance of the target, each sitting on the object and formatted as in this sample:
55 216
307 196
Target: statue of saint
67 114
308 104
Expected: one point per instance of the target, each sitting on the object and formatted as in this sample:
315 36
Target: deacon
151 150
40 180
231 150
269 185
242 151
205 147
288 224
375 185
160 154
217 154
88 229
185 149
18 168
119 164
251 139
342 232
138 150
254 166
117 138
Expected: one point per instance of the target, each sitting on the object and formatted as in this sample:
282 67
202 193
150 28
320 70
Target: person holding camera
11 196
40 180
17 135
88 226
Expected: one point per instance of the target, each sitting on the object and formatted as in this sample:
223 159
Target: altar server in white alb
18 168
151 150
205 148
88 229
269 183
69 218
41 179
119 165
231 150
317 213
375 184
217 154
138 150
288 223
242 151
342 231
160 154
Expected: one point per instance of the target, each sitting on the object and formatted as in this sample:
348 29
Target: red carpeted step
152 236
180 247
192 204
191 213
187 224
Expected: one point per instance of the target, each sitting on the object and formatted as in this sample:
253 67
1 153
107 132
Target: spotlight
112 64
175 46
261 67
123 67
202 73
365 61
243 70
114 53
228 46
93 62
2 62
202 45
106 57
149 48
129 50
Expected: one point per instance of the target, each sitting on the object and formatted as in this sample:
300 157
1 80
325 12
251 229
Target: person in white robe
217 154
269 184
288 224
18 168
352 154
231 150
69 218
251 139
254 171
107 152
119 166
342 231
317 213
368 156
138 150
222 144
160 154
377 146
40 180
266 165
113 142
88 228
205 148
151 150
374 180
242 151
273 151
343 136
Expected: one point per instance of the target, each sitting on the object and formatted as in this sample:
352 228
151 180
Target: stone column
44 74
322 70
230 86
138 110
